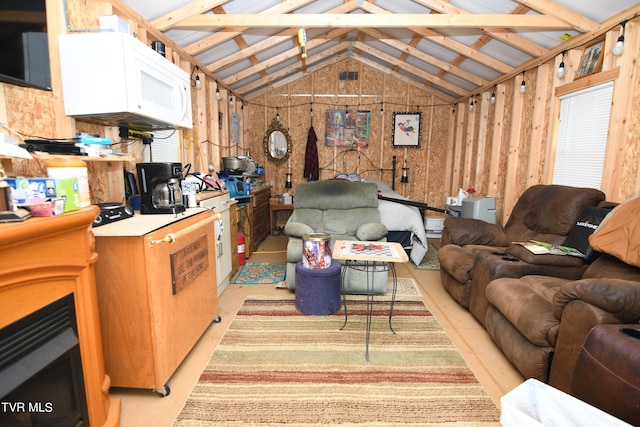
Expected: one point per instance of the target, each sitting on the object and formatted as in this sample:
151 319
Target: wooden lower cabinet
156 286
261 220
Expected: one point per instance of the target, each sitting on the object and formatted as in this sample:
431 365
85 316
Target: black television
24 47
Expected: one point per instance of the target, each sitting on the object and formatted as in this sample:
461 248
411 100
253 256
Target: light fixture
218 96
492 100
560 72
302 38
277 116
405 171
195 82
619 47
231 101
288 184
471 106
523 85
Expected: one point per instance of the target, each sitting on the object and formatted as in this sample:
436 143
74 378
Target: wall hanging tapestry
347 128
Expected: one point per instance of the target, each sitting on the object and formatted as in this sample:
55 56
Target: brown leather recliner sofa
474 252
541 322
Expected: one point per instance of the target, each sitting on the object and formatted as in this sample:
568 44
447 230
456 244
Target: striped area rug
275 366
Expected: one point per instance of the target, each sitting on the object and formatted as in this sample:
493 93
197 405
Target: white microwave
115 79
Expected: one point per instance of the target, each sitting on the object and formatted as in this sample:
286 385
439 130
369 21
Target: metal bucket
316 250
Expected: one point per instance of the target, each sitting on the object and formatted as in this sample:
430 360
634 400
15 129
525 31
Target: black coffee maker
160 188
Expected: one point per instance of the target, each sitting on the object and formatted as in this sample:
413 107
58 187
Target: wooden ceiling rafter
573 43
288 71
196 7
447 42
284 56
209 22
228 32
503 35
367 20
411 50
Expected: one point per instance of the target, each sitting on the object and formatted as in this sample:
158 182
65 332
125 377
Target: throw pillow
619 233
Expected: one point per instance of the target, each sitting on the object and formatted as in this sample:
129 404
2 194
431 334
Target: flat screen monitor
24 47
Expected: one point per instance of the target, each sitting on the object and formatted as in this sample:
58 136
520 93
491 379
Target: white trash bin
536 404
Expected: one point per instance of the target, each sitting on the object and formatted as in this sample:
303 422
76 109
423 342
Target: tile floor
144 407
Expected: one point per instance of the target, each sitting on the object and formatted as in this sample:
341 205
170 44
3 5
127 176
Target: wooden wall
309 98
498 150
37 113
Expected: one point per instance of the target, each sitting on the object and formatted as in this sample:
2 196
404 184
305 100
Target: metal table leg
370 269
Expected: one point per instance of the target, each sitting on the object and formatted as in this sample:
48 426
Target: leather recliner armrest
619 297
469 231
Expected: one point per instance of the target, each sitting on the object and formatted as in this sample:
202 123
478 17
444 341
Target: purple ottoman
318 290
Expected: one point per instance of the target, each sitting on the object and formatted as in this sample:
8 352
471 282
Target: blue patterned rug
261 273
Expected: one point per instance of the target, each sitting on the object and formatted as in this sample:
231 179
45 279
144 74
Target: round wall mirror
277 144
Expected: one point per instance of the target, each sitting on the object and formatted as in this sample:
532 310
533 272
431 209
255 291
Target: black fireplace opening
41 381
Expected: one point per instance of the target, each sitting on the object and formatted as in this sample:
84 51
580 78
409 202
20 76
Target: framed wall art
347 128
406 129
591 61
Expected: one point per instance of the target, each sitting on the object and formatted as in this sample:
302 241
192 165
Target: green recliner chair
346 211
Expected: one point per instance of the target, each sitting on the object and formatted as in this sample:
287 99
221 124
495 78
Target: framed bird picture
406 129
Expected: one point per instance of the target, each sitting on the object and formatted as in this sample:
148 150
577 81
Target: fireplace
41 369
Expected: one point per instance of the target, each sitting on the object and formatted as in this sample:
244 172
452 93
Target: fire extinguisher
240 248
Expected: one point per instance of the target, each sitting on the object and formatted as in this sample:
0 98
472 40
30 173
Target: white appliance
115 79
220 204
483 208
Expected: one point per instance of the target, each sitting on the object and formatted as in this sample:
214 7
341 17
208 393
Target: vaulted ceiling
450 48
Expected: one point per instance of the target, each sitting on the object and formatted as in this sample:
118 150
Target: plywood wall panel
436 156
31 112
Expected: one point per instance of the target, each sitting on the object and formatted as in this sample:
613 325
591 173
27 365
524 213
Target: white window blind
164 147
582 136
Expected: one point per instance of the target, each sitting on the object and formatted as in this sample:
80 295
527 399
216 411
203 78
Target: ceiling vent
348 75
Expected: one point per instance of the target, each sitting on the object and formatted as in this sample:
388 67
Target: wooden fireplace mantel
44 259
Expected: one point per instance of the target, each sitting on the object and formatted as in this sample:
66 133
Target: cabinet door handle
169 238
172 237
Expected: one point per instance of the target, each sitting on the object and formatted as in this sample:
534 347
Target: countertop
139 225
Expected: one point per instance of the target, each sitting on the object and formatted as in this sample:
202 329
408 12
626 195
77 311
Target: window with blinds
164 147
582 136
